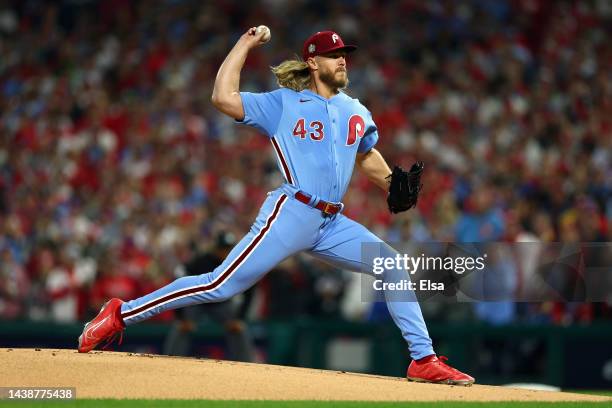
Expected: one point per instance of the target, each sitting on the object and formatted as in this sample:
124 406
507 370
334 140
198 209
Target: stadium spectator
108 141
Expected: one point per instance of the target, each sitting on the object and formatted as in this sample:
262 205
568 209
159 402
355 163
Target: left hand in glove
404 188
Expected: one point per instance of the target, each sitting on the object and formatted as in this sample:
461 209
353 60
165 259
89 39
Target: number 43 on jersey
356 128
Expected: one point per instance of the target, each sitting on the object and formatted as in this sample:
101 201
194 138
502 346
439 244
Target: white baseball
266 37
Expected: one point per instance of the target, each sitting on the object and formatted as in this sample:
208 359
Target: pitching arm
226 92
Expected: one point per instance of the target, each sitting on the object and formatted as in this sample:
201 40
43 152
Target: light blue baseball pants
284 227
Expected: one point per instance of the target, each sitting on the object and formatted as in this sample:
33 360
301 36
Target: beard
333 80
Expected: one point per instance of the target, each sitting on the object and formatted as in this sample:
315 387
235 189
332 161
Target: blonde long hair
292 74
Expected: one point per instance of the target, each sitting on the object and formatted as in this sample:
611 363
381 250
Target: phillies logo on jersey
356 128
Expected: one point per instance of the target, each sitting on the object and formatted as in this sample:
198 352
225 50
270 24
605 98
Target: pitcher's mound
126 375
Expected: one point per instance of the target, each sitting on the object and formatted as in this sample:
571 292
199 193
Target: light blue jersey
316 141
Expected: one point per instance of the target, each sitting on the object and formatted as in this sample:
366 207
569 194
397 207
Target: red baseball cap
324 42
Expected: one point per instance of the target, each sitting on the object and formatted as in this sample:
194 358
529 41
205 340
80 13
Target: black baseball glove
404 188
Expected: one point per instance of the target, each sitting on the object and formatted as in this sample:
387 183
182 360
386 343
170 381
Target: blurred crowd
115 168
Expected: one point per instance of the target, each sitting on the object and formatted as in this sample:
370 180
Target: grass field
100 403
115 403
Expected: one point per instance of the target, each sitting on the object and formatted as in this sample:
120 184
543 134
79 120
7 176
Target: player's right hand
251 39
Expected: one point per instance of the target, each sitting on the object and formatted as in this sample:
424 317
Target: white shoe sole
465 383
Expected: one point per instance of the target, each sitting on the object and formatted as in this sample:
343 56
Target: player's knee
225 293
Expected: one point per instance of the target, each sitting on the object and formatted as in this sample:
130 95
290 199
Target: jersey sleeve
370 137
262 110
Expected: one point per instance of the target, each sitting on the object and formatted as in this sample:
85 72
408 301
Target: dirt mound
126 375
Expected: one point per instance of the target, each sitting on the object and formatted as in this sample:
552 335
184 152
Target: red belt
325 207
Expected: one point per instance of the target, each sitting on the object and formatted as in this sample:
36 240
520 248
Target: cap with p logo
324 42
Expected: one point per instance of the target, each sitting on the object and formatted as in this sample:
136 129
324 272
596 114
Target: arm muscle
374 166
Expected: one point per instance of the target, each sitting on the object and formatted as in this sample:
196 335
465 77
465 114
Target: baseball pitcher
319 134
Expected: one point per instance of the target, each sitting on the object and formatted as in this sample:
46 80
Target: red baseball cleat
432 369
105 326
